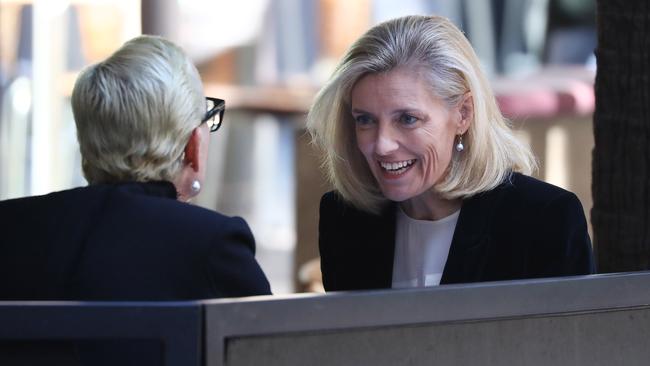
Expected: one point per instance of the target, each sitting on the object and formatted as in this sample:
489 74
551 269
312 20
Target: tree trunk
621 158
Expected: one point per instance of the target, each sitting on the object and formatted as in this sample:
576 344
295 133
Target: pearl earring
460 147
196 186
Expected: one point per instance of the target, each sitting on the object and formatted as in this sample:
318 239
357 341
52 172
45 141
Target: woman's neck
430 206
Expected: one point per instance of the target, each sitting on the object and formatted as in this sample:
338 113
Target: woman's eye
363 120
407 119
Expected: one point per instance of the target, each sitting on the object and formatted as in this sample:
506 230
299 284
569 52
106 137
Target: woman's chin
397 195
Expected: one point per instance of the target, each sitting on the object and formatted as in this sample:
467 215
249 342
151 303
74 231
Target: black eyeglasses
214 116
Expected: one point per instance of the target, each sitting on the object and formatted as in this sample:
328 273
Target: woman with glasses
430 181
143 127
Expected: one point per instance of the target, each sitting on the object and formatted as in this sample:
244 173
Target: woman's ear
190 174
466 111
192 150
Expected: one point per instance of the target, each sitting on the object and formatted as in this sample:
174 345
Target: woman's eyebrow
407 110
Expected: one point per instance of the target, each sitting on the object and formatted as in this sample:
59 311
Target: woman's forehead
398 85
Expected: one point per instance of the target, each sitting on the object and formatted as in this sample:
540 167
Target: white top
421 249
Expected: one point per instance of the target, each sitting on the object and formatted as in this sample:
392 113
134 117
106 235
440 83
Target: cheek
436 150
430 142
364 143
207 143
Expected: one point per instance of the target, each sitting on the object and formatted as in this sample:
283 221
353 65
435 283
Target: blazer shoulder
332 205
44 207
532 191
524 199
332 199
226 243
232 258
168 209
216 228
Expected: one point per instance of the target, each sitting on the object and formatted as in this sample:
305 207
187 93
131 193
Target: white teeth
398 167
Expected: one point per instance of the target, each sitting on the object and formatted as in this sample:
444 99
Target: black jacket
131 241
524 228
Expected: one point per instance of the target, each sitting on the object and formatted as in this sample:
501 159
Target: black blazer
524 228
131 241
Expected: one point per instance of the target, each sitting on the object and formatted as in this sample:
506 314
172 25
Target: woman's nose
386 141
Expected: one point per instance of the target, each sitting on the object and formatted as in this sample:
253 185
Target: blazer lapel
383 227
465 261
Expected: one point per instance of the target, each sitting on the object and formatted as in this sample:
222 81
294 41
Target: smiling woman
429 178
406 134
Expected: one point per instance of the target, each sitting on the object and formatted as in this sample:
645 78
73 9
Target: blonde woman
431 185
144 128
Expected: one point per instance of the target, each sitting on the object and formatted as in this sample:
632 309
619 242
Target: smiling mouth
397 167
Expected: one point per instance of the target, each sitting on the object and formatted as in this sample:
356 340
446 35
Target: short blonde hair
435 46
136 110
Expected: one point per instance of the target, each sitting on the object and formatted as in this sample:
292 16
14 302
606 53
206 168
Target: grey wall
603 338
590 320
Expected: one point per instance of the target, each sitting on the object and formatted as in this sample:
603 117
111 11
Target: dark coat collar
152 188
384 233
160 189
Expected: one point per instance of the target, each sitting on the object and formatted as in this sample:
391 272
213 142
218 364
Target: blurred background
267 58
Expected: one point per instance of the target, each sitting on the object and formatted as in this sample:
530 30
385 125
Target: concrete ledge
383 322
